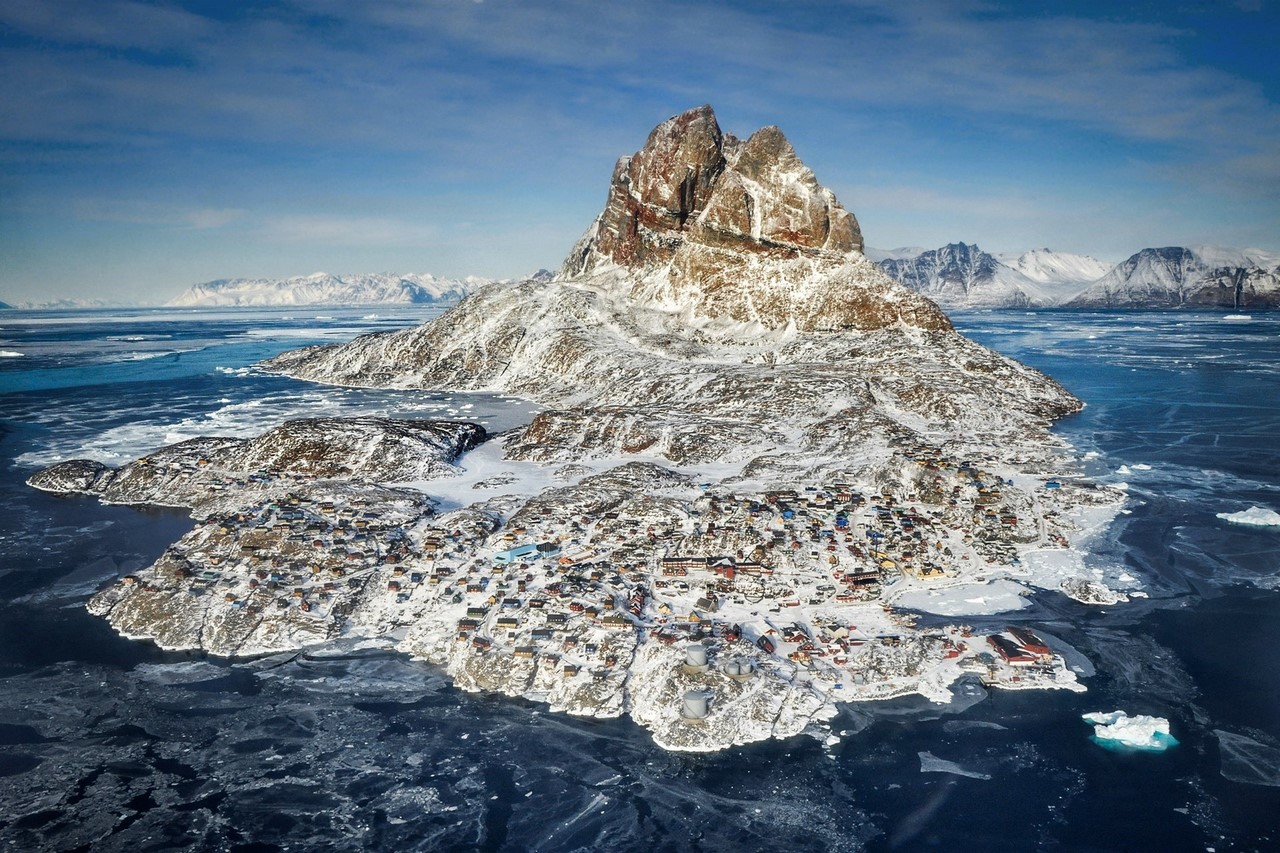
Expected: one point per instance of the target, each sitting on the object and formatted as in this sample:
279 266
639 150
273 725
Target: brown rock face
692 183
770 197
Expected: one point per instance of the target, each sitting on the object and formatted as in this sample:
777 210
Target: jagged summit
700 220
693 183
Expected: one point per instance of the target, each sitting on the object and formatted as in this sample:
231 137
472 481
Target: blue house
513 554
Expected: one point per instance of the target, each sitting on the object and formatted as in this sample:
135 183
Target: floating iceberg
1118 729
1254 515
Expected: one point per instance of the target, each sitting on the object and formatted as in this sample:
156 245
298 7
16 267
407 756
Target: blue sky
146 146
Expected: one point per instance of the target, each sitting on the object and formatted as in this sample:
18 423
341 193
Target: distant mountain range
326 289
961 275
958 275
1191 277
66 304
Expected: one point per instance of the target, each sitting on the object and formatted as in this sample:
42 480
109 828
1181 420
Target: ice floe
1140 732
1248 761
1254 516
930 763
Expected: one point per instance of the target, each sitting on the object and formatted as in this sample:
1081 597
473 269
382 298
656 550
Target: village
568 598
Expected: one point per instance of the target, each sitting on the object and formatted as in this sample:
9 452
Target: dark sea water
108 744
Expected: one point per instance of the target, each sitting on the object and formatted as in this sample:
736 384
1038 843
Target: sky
147 146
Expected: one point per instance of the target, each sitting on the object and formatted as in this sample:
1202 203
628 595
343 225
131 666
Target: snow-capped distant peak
901 253
961 275
322 288
1189 277
1046 266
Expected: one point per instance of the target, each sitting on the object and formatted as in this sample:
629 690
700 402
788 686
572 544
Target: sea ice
972 599
1245 760
1142 732
930 763
1254 516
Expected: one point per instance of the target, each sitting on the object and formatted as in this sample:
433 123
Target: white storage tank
695 705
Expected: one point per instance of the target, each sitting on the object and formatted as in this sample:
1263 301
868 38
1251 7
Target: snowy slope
1061 275
1054 268
326 289
1188 277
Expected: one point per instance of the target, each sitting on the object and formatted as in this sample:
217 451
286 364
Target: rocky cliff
963 276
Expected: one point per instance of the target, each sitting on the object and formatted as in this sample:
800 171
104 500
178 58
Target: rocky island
764 448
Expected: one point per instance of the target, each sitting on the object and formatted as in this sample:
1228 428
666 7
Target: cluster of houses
780 576
295 551
790 580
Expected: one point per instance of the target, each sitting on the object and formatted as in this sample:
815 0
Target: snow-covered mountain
720 271
68 304
325 289
961 275
1188 277
1061 275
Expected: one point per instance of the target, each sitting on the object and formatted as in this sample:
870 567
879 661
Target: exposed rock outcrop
719 271
206 472
737 230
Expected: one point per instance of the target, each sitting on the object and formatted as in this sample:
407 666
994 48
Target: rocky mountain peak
693 183
674 173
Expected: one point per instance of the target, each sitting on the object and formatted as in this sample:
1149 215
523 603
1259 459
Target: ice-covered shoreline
597 623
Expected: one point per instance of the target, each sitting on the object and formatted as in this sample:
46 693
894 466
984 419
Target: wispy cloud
438 77
361 231
302 120
143 212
